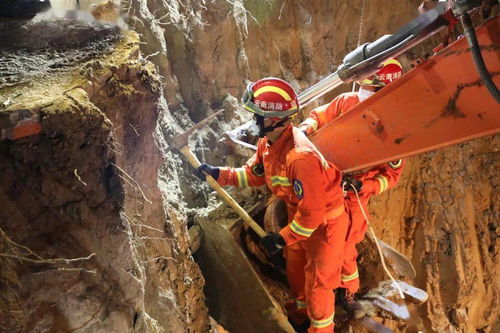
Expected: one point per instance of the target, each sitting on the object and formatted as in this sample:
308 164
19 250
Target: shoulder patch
297 188
258 170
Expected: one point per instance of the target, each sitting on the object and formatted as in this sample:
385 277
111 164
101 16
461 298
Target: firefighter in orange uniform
292 168
374 181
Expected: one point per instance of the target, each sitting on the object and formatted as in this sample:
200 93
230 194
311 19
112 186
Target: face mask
364 94
264 130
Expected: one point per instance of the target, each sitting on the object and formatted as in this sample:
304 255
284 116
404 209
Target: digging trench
95 209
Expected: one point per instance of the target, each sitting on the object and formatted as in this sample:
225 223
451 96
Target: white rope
378 245
359 33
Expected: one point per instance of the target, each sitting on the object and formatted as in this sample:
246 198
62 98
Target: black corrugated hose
485 76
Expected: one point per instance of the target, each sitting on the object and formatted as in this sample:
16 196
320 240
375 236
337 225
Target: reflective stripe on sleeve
242 177
395 164
311 123
384 184
347 278
283 181
300 230
323 323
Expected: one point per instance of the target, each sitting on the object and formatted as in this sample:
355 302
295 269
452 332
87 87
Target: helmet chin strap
263 130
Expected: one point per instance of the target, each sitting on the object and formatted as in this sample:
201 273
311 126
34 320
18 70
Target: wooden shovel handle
230 201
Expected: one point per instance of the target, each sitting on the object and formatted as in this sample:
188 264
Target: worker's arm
324 114
386 178
320 116
309 186
250 174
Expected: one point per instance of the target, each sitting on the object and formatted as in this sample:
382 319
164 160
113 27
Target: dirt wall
88 242
444 215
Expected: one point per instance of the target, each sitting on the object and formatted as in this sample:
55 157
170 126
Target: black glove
207 169
272 243
347 181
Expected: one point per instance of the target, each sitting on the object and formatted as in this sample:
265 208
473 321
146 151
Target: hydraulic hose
485 76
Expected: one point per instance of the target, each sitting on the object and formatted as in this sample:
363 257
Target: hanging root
39 260
133 180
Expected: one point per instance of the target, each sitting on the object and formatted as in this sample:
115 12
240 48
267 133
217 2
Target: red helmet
391 70
271 98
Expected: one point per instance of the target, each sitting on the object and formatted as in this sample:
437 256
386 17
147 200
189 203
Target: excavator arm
441 102
451 98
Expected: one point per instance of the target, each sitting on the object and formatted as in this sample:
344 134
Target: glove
303 129
207 169
272 243
347 181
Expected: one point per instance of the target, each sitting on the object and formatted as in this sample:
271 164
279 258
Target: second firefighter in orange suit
369 182
291 167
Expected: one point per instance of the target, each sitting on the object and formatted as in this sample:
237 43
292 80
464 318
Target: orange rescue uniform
376 180
310 186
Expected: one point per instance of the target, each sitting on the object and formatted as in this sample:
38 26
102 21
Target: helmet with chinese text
271 98
390 71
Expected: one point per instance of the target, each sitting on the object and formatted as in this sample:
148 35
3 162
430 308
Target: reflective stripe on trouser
356 233
297 311
325 323
350 278
312 272
295 263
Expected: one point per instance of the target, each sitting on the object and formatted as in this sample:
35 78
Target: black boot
300 328
350 305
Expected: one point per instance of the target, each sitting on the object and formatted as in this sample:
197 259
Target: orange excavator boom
439 103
